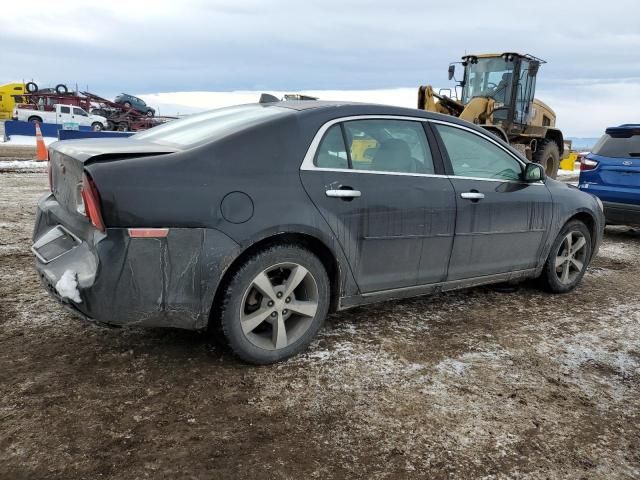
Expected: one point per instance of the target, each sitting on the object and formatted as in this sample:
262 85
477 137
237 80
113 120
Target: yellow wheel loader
497 93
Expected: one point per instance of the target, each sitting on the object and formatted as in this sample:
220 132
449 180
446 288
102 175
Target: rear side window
208 126
618 147
376 145
388 146
65 110
473 156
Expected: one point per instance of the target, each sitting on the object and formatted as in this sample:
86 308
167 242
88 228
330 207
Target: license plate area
55 243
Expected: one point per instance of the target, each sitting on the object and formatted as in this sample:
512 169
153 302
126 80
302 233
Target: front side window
388 146
79 111
472 155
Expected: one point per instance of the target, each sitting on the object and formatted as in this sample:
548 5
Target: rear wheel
568 258
548 155
149 113
35 119
127 104
97 126
275 304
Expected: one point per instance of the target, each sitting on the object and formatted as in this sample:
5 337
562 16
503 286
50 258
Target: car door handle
472 195
343 193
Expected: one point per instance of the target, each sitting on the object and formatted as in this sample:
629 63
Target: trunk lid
68 158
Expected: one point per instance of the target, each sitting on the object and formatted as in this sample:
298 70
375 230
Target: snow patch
67 286
27 140
22 164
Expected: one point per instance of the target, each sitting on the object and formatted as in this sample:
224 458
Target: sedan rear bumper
114 279
622 213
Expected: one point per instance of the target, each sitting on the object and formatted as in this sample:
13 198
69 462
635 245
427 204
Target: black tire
548 155
236 297
97 127
110 125
149 113
550 278
61 88
126 104
123 127
31 87
35 119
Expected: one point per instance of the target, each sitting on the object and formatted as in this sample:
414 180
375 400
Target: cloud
168 46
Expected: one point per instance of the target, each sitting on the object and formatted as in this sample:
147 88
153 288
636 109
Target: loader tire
548 155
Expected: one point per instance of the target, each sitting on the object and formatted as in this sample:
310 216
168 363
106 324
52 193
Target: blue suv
612 172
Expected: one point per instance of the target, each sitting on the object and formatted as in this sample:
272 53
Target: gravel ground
473 384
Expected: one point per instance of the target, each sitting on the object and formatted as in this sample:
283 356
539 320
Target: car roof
328 108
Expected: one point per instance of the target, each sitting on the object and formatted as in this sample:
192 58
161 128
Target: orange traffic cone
41 148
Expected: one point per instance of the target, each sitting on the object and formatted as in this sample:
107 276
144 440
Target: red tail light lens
91 199
587 164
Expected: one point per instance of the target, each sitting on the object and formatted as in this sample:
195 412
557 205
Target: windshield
211 125
489 77
618 146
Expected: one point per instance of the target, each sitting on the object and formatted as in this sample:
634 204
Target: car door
64 114
502 221
80 116
374 182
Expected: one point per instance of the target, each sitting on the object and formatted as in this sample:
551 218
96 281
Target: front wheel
568 259
275 304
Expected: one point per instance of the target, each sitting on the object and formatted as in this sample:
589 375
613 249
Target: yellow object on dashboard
359 149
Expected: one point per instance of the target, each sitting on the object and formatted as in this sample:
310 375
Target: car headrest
393 155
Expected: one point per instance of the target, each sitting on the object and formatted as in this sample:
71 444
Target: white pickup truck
64 114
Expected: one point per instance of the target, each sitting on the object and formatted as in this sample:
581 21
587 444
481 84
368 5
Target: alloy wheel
571 257
279 306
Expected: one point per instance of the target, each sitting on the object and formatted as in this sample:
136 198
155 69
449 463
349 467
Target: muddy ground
474 384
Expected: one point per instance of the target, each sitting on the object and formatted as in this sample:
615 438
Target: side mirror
534 172
452 70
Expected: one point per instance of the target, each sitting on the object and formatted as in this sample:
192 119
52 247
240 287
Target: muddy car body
177 226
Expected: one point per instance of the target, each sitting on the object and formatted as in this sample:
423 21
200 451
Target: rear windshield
618 147
207 126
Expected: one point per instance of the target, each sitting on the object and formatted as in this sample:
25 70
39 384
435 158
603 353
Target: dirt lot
464 385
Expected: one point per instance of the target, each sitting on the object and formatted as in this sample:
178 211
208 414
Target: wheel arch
589 220
311 242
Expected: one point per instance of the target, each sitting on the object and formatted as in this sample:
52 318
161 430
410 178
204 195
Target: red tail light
91 199
587 164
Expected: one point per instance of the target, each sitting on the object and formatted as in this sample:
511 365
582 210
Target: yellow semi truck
10 95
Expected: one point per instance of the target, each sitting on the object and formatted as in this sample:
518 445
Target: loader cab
507 78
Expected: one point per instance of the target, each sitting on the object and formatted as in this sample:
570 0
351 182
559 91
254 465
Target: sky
592 78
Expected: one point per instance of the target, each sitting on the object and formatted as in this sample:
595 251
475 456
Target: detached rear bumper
160 282
622 213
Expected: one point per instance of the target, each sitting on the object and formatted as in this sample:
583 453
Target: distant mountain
582 143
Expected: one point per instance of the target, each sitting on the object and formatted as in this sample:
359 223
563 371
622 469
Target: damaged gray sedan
256 221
